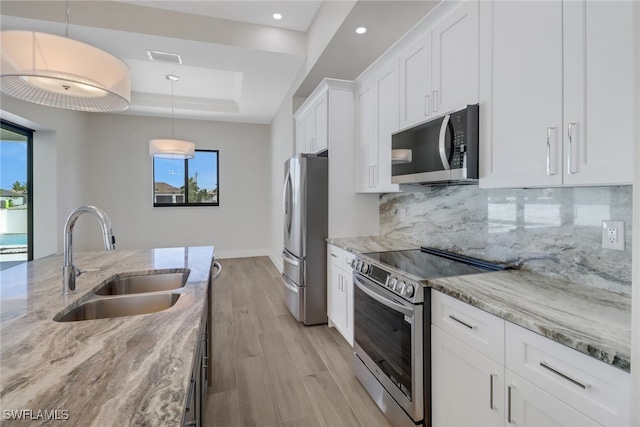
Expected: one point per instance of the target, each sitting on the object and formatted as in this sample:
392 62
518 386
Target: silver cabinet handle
509 388
565 376
549 172
570 154
491 391
334 255
370 176
435 101
452 317
376 178
442 140
427 105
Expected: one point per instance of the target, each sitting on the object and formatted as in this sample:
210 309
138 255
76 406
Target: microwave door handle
442 141
381 299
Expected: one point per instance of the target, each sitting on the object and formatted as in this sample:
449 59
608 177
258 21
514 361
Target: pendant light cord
172 82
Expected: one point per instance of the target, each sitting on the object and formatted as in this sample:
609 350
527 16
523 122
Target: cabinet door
336 298
366 138
415 82
467 387
300 136
309 130
598 88
523 107
387 123
530 406
320 110
455 59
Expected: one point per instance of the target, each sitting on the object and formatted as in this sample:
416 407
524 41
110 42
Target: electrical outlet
613 235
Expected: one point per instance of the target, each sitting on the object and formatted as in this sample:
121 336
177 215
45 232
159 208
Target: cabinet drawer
594 388
335 256
478 329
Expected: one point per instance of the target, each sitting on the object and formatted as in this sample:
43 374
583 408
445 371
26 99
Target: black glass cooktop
429 263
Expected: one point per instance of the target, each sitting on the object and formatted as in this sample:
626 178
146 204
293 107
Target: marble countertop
131 370
370 244
593 321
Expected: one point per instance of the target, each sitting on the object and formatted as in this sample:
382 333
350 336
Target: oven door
388 339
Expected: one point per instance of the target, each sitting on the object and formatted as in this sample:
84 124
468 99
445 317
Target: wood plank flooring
269 369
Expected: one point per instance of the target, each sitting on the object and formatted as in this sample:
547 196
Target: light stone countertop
370 244
593 321
121 371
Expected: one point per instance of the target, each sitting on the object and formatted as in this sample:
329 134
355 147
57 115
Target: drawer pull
511 387
491 392
452 317
565 376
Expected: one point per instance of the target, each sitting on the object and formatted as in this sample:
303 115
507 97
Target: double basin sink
129 295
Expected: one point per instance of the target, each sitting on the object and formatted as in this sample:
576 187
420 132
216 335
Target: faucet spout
69 271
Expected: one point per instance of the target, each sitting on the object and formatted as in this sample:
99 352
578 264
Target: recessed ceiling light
361 30
277 16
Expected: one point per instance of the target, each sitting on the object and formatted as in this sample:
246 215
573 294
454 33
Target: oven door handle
381 298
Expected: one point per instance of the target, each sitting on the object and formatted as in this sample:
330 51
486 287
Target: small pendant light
61 72
172 148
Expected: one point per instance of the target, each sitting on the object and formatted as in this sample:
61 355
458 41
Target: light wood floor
269 369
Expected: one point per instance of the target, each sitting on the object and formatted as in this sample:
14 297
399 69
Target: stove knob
365 268
358 264
392 283
408 290
400 287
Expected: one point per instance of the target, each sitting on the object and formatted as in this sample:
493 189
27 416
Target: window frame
186 183
28 133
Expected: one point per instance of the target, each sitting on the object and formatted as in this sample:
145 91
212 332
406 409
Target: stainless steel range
392 339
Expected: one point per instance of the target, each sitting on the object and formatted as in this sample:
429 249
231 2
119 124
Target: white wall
58 152
117 174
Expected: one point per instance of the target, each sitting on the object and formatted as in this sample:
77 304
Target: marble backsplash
553 231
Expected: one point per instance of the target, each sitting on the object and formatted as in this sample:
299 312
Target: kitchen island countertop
132 370
593 321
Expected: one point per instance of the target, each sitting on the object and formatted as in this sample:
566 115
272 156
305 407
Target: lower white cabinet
467 386
340 292
540 382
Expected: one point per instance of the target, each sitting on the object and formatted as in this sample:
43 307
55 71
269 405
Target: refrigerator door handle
289 284
290 260
286 208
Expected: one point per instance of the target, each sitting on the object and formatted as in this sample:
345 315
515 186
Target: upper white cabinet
328 115
439 70
556 106
312 126
376 120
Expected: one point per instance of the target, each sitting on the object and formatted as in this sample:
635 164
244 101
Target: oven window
385 336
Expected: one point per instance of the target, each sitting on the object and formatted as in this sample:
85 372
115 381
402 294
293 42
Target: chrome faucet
69 271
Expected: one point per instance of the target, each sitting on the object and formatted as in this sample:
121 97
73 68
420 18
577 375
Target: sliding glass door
16 195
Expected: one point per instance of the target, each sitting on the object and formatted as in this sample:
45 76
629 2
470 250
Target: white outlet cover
613 243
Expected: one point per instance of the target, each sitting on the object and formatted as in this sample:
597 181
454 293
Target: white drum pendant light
61 72
172 148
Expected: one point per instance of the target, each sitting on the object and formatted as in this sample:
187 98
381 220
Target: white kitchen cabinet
467 386
332 104
555 79
536 382
415 82
340 292
530 406
377 119
312 126
439 71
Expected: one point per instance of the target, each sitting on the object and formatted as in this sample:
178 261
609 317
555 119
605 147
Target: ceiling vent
172 58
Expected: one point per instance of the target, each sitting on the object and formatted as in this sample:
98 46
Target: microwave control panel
458 127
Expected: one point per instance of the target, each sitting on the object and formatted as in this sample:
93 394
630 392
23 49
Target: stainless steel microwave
442 150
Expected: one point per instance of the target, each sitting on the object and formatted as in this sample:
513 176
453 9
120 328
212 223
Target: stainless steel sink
144 283
102 308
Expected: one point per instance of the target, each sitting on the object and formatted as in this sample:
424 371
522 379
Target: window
192 182
16 195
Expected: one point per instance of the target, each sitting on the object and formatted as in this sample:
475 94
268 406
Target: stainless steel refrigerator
305 230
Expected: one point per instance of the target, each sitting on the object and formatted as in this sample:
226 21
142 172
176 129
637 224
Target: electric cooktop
431 263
